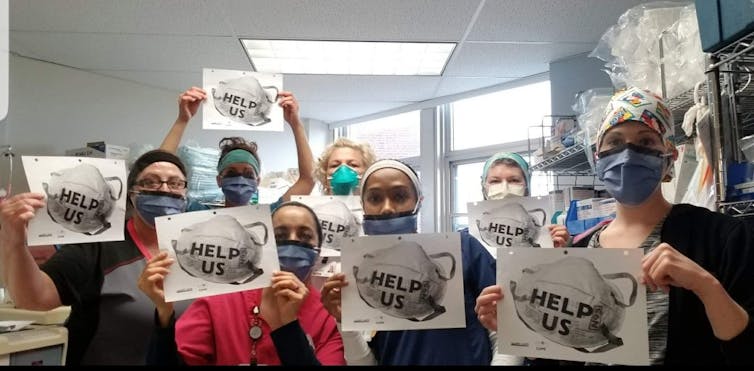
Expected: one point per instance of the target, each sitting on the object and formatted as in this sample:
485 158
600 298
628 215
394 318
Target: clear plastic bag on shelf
631 48
590 107
201 168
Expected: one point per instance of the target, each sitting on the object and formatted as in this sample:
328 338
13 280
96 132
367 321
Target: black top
87 277
723 246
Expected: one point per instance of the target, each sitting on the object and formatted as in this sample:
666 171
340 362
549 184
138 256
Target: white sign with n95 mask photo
511 222
573 304
403 282
218 251
85 199
242 100
340 218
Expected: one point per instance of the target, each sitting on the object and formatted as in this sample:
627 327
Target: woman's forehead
240 166
389 176
505 170
345 154
290 215
161 168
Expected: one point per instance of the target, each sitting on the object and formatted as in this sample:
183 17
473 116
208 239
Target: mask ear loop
437 310
255 271
668 157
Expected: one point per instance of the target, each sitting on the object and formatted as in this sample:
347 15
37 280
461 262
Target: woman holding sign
338 171
109 319
506 174
391 198
239 165
284 323
698 266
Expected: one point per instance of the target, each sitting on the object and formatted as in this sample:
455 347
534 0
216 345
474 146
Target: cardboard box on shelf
85 152
588 208
100 150
575 193
111 150
607 208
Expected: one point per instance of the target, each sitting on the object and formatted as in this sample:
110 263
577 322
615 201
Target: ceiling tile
548 20
321 100
175 81
508 60
148 42
341 88
135 52
388 20
329 111
456 85
187 17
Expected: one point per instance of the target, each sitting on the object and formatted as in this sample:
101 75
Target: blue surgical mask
631 173
151 204
238 190
297 257
344 180
390 224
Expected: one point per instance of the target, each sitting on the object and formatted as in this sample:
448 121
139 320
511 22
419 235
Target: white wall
319 136
53 108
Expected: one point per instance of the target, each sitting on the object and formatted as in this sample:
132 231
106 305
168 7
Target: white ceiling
166 43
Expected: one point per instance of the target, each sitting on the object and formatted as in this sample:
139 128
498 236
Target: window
391 137
466 188
541 183
477 128
499 117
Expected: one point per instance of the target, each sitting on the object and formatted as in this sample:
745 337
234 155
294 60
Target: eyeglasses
175 184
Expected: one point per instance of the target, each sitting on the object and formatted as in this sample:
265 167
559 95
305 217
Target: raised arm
188 103
30 288
305 183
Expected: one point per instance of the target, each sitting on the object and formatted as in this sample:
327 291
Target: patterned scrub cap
634 104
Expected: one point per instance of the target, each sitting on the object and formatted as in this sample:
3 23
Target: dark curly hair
228 144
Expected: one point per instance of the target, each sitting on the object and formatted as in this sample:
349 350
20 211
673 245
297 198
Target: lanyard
255 333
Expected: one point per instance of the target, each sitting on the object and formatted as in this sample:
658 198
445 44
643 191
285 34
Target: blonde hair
367 156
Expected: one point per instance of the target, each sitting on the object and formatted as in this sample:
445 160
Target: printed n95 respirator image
218 251
573 304
511 222
419 289
85 199
242 100
340 218
399 282
221 250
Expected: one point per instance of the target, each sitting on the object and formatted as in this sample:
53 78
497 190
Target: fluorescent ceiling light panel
348 57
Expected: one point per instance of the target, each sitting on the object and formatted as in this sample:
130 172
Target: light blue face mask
390 224
630 173
238 190
344 180
297 257
151 204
